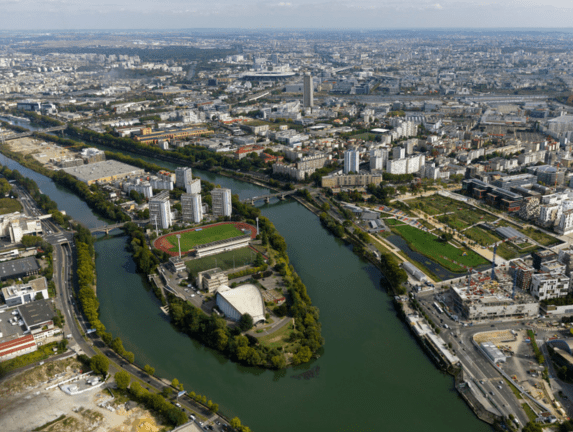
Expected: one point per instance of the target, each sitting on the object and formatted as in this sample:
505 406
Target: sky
283 14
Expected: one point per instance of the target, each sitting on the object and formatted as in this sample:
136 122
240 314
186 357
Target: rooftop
36 313
18 267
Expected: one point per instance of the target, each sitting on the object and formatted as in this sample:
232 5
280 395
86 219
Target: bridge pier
267 200
281 197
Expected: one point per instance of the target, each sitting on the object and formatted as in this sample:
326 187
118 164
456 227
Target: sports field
445 254
225 261
190 239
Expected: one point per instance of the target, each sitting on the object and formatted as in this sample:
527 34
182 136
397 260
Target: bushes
157 403
538 355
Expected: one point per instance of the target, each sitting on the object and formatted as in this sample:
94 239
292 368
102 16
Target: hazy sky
350 14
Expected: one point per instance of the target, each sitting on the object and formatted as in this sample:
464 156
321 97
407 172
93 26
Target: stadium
208 239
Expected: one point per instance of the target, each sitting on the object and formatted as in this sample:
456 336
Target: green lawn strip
516 392
428 245
282 334
539 236
507 251
191 239
530 413
481 236
224 261
9 205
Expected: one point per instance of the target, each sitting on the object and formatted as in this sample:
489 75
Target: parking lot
11 326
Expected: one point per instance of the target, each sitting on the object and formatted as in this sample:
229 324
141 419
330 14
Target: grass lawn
539 236
443 253
482 236
392 221
223 260
9 205
530 413
207 235
366 136
278 338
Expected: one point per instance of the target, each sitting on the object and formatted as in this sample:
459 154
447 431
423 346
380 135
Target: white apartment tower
193 186
160 210
351 161
378 158
191 208
307 96
183 175
221 205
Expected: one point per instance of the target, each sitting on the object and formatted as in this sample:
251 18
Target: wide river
373 375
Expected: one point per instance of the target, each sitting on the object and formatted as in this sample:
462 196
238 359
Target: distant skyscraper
221 204
191 208
351 161
308 89
160 210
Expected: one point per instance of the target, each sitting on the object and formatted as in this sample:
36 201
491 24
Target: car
192 295
177 404
491 393
499 387
15 313
481 382
192 417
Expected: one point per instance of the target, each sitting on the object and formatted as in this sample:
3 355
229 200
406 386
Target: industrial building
221 202
38 318
104 172
191 208
19 268
147 136
160 210
493 352
15 295
17 347
245 299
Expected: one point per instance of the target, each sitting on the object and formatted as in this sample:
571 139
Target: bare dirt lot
26 405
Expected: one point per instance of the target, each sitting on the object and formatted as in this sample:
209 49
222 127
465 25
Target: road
63 263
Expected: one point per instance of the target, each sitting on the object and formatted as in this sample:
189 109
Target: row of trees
394 275
43 201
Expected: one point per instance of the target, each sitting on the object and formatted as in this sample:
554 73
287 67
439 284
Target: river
373 376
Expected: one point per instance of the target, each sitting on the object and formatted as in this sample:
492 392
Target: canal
373 376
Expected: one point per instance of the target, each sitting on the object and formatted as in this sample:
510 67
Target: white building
16 225
160 210
245 299
351 161
546 286
193 186
308 100
409 165
20 294
143 187
565 224
222 204
183 175
398 152
191 208
378 159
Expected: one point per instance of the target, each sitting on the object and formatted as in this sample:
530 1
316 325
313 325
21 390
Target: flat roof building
19 268
103 172
211 280
20 294
36 315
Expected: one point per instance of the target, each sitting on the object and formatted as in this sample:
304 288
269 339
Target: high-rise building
183 175
351 161
191 208
399 152
193 186
222 205
378 158
160 210
307 96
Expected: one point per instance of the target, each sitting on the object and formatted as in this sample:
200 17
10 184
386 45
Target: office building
351 161
191 208
222 205
308 96
160 210
36 289
183 175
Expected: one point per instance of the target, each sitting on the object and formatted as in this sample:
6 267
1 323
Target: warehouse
493 352
103 172
19 268
245 299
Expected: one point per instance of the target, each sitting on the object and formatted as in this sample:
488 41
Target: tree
122 379
235 423
99 364
532 427
175 382
246 322
149 370
129 356
215 407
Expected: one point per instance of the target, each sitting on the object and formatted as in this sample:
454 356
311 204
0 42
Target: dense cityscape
260 230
